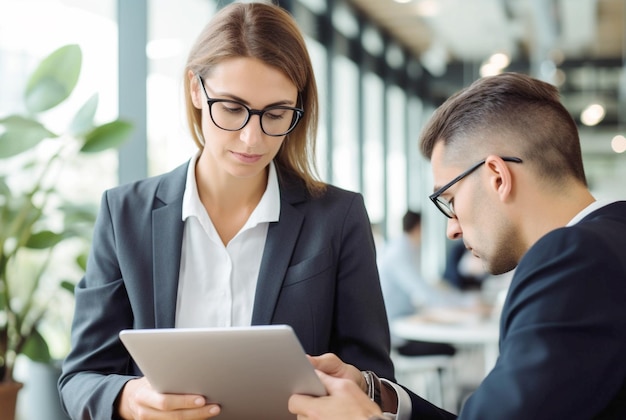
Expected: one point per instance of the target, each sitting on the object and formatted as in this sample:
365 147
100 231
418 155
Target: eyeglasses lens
275 121
445 207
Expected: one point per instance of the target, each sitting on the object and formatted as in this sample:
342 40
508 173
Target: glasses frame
444 206
298 112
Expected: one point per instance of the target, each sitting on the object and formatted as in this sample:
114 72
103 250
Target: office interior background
382 67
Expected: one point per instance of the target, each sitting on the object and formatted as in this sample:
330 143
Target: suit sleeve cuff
404 402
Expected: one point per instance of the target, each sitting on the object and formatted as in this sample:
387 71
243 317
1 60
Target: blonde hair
268 33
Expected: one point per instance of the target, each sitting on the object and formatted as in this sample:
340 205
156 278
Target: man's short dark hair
508 114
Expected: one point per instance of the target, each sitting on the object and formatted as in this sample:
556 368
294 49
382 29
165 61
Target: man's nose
453 230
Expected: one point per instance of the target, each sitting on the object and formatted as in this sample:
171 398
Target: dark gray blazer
318 274
562 331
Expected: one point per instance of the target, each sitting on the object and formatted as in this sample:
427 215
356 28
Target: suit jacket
562 330
318 274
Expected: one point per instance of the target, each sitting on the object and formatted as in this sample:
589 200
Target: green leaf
68 285
44 239
21 134
81 261
36 348
54 79
83 120
20 214
107 136
4 188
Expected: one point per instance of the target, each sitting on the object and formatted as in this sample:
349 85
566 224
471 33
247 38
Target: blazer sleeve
88 387
562 332
424 410
362 329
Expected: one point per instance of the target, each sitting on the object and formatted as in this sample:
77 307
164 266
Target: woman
242 234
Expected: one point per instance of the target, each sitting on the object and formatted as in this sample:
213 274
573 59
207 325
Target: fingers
201 413
172 402
300 404
140 401
345 401
332 365
338 386
327 362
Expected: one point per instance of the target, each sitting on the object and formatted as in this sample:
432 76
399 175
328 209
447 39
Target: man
508 174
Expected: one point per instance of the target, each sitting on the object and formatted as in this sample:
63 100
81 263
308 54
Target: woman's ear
500 176
194 90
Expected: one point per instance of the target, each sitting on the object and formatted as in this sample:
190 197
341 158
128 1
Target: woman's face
247 152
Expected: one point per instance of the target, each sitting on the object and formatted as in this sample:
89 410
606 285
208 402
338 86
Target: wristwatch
373 386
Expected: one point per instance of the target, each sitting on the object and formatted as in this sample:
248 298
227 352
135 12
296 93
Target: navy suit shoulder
562 328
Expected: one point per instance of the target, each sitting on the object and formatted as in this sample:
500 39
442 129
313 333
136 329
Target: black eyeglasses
231 115
446 206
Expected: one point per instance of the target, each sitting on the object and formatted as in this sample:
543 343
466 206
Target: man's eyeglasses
231 115
446 206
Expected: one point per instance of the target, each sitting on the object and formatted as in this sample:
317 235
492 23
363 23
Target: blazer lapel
167 237
279 246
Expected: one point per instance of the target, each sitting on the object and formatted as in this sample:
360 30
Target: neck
229 192
543 213
229 201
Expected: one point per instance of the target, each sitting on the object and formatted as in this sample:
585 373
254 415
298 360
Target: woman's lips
247 158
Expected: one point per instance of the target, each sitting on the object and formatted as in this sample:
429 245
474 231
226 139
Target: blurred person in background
405 289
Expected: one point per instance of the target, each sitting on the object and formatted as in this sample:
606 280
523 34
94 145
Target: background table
454 326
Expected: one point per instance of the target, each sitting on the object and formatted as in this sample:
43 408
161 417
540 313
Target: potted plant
36 219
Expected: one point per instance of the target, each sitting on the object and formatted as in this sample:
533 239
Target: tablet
250 371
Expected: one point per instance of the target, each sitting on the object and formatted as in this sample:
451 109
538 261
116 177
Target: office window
374 151
26 37
396 159
417 188
319 59
172 29
345 123
29 31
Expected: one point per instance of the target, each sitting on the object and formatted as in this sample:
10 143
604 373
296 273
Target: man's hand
139 401
333 366
345 400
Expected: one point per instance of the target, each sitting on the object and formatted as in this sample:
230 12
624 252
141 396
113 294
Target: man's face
479 220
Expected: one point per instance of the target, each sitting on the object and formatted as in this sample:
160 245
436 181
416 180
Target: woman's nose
251 133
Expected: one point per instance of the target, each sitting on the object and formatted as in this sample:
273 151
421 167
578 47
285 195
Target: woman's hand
139 401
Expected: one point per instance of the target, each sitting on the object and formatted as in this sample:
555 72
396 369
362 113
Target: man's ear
500 176
194 90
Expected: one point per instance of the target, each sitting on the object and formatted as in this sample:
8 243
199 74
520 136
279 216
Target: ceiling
579 45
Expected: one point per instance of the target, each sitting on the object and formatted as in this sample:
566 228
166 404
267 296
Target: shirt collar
588 210
268 209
